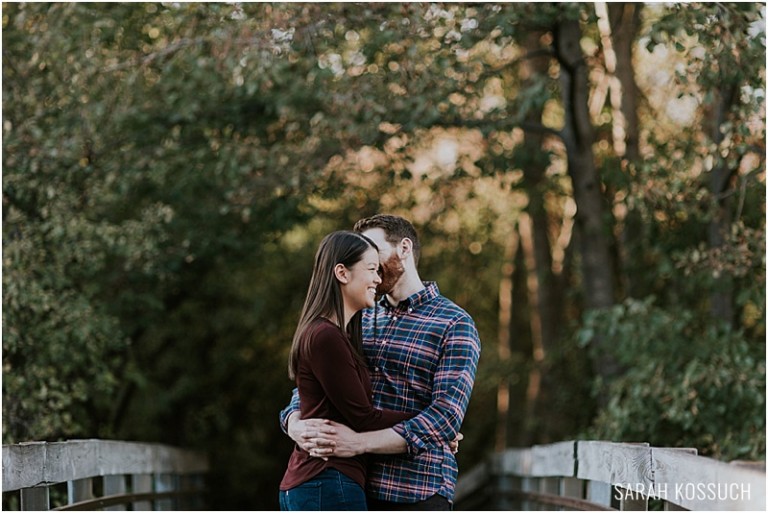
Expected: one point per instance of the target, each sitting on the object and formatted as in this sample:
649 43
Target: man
422 350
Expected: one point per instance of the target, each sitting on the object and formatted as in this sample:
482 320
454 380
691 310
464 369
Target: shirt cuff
413 444
284 414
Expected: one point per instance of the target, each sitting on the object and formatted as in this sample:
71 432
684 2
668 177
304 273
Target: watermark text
684 491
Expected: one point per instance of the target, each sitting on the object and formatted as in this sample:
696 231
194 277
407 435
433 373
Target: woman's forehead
371 255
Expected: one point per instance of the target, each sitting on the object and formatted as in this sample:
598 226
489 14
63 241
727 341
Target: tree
143 176
696 273
169 170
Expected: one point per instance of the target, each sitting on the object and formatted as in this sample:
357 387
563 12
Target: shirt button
410 310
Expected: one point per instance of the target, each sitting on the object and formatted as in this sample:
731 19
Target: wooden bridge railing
104 474
590 475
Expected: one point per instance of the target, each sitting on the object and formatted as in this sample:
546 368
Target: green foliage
711 172
168 170
685 382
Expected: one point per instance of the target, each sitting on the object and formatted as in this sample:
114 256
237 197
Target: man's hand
454 444
344 443
322 438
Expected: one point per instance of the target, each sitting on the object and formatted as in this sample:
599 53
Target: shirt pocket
416 361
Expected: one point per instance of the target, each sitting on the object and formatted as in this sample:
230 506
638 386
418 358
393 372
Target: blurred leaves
168 170
684 384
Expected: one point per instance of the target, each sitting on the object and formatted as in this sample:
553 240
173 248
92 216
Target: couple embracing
382 386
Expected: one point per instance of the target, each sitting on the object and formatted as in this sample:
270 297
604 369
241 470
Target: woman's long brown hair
324 298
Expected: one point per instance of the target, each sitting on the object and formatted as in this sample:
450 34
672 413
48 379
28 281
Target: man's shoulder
451 311
459 324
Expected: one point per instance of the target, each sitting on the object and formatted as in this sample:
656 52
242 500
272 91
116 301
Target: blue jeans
330 490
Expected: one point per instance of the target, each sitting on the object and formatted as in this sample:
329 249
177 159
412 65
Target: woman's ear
340 271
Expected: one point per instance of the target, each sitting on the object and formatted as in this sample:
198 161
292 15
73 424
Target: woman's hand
312 435
323 438
454 444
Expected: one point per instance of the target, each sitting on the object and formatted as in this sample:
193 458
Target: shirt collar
425 295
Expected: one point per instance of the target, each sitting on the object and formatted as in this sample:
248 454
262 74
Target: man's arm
436 425
321 437
344 442
384 441
288 411
339 440
439 423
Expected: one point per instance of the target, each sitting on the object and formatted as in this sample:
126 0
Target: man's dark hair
396 228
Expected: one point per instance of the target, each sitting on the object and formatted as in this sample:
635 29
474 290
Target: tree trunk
548 305
543 284
578 138
593 235
505 347
721 298
536 374
624 22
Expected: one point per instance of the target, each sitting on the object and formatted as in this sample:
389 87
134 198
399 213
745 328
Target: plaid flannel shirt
423 356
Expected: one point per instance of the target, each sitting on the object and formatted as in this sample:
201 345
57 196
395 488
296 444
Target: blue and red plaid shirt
423 356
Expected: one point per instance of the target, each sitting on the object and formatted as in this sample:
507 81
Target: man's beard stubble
391 271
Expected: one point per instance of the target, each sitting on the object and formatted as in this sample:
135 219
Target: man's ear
340 271
406 247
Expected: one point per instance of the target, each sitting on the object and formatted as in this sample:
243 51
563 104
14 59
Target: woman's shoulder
323 332
326 342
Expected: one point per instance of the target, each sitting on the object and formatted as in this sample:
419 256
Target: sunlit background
169 169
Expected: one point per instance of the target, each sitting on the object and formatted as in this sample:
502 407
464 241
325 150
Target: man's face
391 266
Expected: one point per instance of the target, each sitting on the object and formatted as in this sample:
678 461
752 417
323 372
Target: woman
328 365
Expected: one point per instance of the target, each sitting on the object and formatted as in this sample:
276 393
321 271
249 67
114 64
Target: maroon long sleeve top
334 385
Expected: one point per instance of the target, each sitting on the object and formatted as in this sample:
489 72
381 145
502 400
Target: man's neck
408 285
